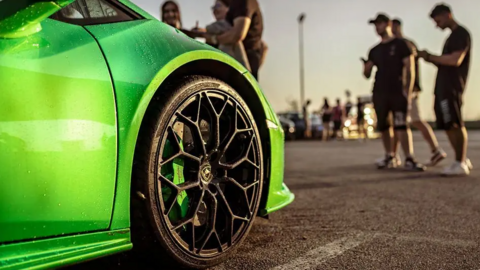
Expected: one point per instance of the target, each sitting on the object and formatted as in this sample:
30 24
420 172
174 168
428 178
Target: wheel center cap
206 173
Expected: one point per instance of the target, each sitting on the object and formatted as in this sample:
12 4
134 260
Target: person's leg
449 117
383 126
422 126
400 105
325 131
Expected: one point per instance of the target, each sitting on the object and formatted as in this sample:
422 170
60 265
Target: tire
225 177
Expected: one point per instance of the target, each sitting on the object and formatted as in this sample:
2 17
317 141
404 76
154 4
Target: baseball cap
439 9
397 21
381 17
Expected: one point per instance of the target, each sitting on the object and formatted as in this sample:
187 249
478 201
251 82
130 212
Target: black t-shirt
249 9
360 112
388 58
413 48
348 107
450 78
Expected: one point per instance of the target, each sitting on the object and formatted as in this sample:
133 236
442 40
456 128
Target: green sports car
119 132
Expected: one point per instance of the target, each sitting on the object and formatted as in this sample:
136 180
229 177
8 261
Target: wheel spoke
241 160
215 126
190 156
224 199
197 134
170 159
205 241
172 204
187 186
224 106
218 240
199 97
182 224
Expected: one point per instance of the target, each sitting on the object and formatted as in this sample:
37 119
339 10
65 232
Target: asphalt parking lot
348 215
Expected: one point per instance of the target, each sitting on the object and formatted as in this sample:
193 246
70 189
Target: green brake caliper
174 172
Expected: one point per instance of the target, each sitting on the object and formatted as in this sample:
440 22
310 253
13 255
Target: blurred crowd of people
237 31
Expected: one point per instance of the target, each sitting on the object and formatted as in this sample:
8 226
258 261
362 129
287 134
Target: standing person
453 66
306 119
246 18
326 112
437 153
392 90
361 120
337 117
237 50
348 104
170 13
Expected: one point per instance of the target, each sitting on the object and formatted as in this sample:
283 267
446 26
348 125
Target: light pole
301 19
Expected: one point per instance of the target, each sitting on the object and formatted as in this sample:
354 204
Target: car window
88 12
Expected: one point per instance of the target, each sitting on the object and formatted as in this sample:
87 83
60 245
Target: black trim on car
125 14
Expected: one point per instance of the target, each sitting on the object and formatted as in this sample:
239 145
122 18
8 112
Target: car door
58 129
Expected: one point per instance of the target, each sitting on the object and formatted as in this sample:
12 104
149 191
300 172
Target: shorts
337 124
395 103
326 118
415 110
448 109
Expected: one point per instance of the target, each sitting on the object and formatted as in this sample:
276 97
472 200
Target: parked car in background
351 126
288 127
297 118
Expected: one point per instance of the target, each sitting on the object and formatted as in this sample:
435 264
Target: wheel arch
241 83
208 63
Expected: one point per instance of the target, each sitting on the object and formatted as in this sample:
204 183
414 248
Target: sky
336 36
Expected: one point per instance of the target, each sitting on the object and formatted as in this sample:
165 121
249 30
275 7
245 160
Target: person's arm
264 53
454 59
367 69
460 45
242 12
408 59
409 74
237 33
368 65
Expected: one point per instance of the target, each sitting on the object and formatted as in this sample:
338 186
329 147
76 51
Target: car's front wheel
197 176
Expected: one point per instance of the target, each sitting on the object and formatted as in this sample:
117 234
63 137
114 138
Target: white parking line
329 251
437 241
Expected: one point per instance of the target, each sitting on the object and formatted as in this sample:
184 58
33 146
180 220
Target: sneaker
437 157
469 164
396 160
388 162
412 165
457 169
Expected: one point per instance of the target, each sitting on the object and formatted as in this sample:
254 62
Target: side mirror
20 18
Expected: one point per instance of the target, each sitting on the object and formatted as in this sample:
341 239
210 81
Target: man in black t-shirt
247 21
437 153
453 66
392 90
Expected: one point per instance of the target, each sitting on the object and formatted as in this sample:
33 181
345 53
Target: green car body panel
71 107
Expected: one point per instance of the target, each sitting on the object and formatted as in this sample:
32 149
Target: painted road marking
324 253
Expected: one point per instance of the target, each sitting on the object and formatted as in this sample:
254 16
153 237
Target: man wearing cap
437 153
394 80
453 66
